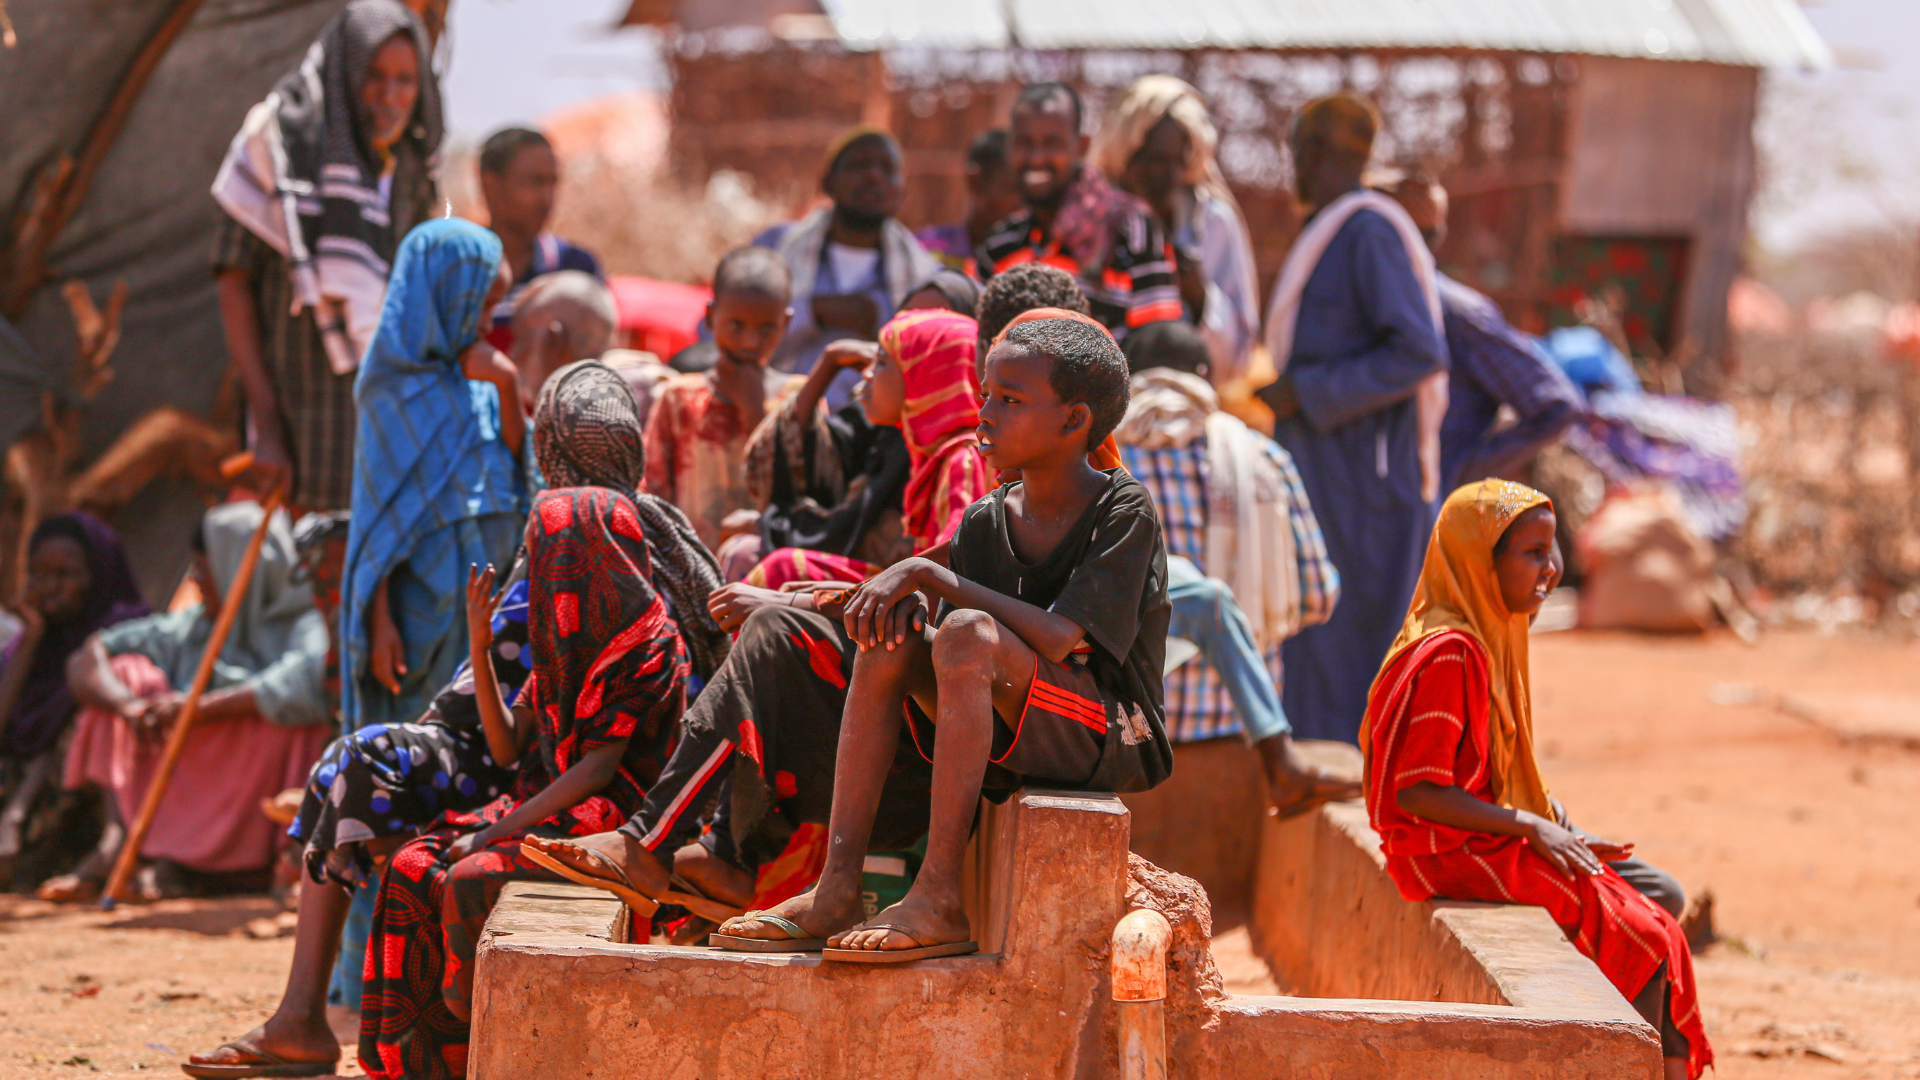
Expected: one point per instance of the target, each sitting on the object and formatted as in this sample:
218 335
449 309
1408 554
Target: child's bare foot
1294 785
279 1041
820 916
713 875
931 922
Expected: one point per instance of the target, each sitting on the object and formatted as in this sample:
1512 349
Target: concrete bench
1428 991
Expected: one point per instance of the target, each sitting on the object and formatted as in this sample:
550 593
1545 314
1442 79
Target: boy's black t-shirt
1109 575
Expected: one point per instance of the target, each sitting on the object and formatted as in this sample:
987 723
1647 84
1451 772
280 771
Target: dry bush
1831 429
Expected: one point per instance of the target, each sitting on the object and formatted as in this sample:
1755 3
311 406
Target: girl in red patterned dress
1452 785
608 686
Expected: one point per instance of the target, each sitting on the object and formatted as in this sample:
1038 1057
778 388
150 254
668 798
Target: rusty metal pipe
1140 941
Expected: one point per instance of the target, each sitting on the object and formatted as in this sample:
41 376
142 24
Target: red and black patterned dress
608 664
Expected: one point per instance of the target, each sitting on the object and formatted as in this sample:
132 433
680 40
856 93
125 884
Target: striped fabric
1134 283
935 352
1197 704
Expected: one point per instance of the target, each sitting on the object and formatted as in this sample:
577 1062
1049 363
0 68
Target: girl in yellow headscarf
1452 785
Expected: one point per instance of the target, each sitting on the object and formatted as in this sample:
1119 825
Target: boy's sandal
925 951
690 896
797 939
617 882
258 1063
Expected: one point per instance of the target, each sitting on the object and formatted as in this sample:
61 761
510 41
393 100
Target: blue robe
1363 341
435 490
1495 365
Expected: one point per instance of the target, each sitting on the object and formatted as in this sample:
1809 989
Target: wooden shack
1594 148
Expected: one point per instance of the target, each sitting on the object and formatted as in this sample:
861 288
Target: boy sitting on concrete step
1042 664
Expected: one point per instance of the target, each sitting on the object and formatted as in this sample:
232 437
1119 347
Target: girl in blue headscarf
439 480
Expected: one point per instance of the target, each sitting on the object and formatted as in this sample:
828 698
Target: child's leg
869 736
979 666
297 1031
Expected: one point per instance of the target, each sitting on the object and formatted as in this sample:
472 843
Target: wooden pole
183 724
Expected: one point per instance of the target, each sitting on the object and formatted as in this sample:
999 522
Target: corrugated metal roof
1754 33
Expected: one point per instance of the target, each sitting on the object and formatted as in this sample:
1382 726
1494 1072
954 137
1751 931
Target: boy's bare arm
868 622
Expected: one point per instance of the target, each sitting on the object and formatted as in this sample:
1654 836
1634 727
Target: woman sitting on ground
438 481
261 723
78 582
1453 787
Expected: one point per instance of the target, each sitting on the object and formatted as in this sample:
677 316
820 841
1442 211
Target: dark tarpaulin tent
146 218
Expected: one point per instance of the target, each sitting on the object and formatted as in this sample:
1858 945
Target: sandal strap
619 875
793 929
912 935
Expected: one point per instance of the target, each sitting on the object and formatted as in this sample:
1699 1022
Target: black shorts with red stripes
1058 735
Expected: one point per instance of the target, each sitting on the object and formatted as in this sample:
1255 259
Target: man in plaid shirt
1232 686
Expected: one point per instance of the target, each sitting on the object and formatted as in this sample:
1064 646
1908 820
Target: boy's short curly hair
1087 367
1020 289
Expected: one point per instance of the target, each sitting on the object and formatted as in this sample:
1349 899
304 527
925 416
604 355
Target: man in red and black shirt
1075 220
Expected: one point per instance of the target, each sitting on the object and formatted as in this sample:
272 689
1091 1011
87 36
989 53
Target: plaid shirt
1197 705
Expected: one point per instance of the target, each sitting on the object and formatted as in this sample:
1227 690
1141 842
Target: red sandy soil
1792 805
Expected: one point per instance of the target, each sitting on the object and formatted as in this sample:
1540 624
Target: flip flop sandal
690 896
797 939
619 884
263 1064
898 956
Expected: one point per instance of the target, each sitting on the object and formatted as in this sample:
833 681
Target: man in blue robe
1364 340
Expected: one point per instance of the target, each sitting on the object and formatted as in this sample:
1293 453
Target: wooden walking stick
177 738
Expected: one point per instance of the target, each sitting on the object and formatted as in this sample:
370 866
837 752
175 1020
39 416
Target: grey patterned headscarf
586 433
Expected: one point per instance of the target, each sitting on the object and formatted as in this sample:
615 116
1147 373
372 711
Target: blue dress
1363 342
435 489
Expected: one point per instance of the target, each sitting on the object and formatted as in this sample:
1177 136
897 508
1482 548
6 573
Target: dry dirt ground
1781 777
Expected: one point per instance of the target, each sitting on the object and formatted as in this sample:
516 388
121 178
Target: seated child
1043 663
1454 790
591 733
697 433
919 381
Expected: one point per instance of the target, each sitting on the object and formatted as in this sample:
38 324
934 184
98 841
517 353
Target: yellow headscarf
1458 591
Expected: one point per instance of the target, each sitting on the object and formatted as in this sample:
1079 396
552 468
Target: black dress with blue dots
396 779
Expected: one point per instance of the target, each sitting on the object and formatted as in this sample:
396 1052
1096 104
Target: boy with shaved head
697 431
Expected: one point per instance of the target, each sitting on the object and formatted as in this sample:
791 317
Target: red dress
1428 717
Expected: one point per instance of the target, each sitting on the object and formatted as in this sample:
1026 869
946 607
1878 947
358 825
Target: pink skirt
209 819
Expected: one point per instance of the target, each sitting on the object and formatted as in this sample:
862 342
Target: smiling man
1075 220
852 263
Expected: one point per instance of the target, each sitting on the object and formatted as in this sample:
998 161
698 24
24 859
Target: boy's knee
966 638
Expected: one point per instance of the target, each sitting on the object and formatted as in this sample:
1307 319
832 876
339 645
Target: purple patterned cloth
1692 444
